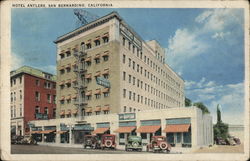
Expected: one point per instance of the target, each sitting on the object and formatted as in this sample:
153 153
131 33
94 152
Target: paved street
40 149
222 149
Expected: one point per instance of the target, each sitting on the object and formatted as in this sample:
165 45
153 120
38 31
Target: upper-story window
68 53
105 56
124 58
62 55
37 109
133 49
97 41
88 45
105 38
37 82
37 96
123 41
21 94
129 45
49 98
20 80
46 110
97 59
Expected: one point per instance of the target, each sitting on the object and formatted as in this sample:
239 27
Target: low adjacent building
33 95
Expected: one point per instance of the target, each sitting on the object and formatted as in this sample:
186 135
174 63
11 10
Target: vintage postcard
115 80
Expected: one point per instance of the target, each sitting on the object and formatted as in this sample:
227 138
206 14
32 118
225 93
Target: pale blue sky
204 46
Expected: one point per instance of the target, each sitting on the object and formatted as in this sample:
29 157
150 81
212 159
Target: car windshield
108 137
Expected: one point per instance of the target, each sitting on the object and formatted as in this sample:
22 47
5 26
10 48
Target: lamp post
70 126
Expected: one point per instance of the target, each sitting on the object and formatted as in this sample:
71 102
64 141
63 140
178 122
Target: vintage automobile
16 139
91 141
134 143
158 144
220 141
28 140
230 141
108 141
237 140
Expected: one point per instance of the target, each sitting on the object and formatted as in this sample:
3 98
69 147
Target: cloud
220 35
229 96
16 61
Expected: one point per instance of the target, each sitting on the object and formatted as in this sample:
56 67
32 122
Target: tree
188 102
220 128
201 106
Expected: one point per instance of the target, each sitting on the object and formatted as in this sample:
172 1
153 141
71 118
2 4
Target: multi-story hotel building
33 95
105 67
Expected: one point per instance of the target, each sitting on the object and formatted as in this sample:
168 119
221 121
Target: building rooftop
33 71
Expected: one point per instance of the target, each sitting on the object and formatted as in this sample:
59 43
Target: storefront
78 132
64 133
101 128
148 129
125 129
49 135
178 132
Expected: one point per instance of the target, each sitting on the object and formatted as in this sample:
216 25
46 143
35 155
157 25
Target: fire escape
80 85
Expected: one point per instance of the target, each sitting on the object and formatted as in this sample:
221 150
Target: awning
61 132
97 91
88 93
74 96
35 132
148 129
89 109
97 74
106 71
106 53
62 98
68 81
100 130
67 112
68 97
105 35
74 64
62 112
61 83
98 108
125 129
177 128
105 90
62 53
88 59
61 68
47 131
74 111
88 76
67 66
74 80
97 56
105 108
97 38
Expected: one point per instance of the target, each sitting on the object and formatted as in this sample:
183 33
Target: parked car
16 139
134 143
108 141
28 140
237 140
91 141
230 141
158 144
220 141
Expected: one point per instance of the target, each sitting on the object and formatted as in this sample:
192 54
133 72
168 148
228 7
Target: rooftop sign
127 116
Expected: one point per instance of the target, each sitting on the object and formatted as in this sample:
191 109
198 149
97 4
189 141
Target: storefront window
144 135
187 137
170 137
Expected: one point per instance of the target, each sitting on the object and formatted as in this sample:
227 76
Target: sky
204 46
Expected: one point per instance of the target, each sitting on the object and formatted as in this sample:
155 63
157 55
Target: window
88 46
124 93
124 59
21 95
130 95
145 58
37 109
14 111
129 78
133 96
141 84
62 71
49 98
68 53
105 39
62 55
54 99
97 42
129 62
141 70
138 83
124 76
123 41
105 58
138 67
129 45
124 109
20 80
11 112
37 95
97 61
106 94
130 109
11 97
46 110
54 112
138 98
14 96
106 112
98 96
133 80
133 65
21 110
83 46
106 76
133 49
98 112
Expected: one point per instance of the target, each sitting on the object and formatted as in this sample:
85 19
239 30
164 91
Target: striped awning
62 112
74 111
89 109
61 83
177 128
68 112
98 91
74 80
125 129
148 129
88 93
88 59
68 81
105 90
35 132
98 74
97 56
105 35
61 132
68 97
106 71
88 76
106 53
106 108
47 131
97 38
97 109
100 130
